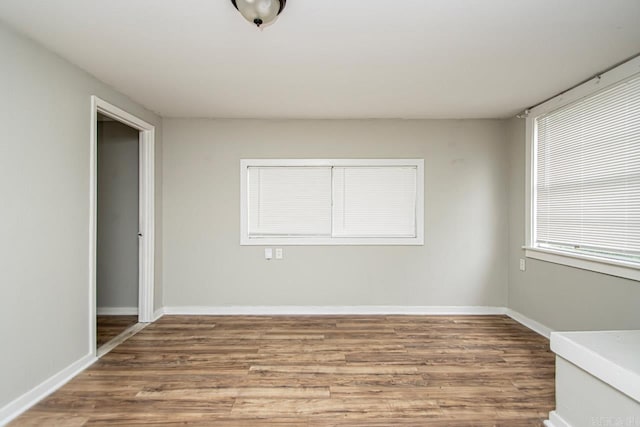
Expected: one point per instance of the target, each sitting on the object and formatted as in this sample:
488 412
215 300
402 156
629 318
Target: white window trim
585 262
610 267
328 241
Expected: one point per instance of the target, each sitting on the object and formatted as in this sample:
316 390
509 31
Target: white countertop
611 356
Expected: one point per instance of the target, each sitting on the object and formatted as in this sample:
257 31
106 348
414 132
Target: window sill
329 241
585 262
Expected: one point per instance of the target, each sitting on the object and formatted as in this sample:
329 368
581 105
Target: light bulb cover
259 12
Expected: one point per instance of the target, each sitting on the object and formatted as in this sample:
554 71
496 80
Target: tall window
586 176
337 201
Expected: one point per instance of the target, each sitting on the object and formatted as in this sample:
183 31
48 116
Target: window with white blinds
337 201
587 175
289 201
374 201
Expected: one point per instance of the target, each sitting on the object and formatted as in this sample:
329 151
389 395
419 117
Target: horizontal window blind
587 186
289 201
374 201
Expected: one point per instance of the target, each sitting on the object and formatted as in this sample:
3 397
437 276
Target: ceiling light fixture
259 12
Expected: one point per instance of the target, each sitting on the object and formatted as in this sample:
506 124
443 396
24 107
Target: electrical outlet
523 265
279 254
268 253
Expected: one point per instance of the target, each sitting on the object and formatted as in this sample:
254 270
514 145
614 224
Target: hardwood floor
109 327
314 371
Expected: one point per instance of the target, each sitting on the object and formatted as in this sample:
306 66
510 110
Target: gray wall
117 254
462 263
560 297
44 219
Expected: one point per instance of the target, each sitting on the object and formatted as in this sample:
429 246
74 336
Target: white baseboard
18 406
556 420
158 314
535 326
288 310
117 311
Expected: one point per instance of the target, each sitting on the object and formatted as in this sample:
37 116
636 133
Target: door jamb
146 212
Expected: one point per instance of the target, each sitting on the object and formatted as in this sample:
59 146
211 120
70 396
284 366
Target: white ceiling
336 58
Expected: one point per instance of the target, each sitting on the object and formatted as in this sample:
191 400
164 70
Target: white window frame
593 263
306 241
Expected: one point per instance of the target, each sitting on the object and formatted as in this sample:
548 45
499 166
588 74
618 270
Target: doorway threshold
122 337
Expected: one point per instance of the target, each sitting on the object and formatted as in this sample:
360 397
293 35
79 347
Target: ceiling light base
259 12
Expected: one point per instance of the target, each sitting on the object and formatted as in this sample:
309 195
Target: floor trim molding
534 325
117 311
27 400
158 314
287 310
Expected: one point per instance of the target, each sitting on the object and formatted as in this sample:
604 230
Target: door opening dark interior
117 259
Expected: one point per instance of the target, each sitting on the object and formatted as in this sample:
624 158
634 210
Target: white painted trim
120 338
245 240
332 310
146 210
117 311
530 171
332 241
21 404
158 314
585 262
93 224
556 420
120 115
534 325
330 162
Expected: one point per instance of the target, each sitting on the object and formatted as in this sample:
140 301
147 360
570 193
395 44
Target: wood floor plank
109 327
243 392
313 371
364 408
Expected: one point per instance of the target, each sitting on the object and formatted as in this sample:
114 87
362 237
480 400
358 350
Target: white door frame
146 214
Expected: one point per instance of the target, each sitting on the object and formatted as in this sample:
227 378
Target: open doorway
122 218
117 228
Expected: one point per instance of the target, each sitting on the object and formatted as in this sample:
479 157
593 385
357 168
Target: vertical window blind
587 182
332 201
